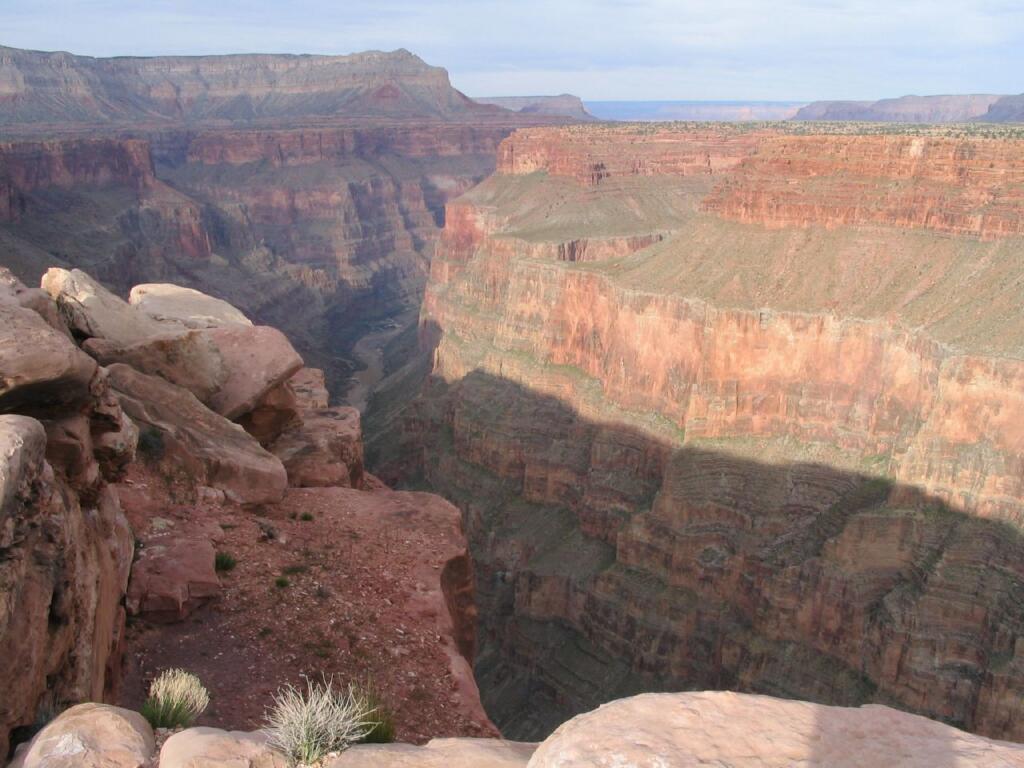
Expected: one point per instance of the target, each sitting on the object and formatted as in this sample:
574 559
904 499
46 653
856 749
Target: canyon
665 407
307 190
732 407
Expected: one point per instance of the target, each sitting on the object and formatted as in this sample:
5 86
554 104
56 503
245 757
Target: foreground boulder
90 736
172 577
214 748
41 370
735 730
211 449
325 449
14 292
177 306
438 753
229 369
63 572
92 311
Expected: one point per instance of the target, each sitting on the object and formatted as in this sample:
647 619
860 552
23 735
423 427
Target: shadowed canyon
668 407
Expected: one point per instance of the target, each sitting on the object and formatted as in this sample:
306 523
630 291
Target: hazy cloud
600 49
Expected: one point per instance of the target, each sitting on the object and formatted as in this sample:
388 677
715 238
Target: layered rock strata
778 454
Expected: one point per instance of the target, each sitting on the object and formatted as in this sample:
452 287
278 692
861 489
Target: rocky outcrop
728 729
204 444
65 546
64 567
90 736
761 456
324 449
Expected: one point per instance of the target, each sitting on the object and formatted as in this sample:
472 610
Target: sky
798 50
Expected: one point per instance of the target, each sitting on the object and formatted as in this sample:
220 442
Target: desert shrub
176 699
151 444
224 561
382 730
307 724
281 582
306 517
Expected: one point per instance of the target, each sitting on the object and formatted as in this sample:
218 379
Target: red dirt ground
362 601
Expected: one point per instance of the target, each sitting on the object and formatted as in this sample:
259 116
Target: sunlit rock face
767 438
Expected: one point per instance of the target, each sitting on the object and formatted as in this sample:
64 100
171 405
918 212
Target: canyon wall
44 87
306 189
773 447
319 231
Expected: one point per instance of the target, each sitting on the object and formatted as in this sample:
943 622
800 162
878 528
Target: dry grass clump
176 699
308 724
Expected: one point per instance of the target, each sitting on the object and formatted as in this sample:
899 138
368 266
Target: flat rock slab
735 730
90 736
438 753
184 307
214 748
93 311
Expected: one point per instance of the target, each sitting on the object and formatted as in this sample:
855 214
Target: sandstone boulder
91 736
172 576
176 305
310 388
735 730
93 311
13 291
326 449
204 444
232 370
41 370
189 359
63 573
438 753
214 748
256 360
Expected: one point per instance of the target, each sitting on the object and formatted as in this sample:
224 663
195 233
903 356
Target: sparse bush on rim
308 724
383 730
224 562
176 699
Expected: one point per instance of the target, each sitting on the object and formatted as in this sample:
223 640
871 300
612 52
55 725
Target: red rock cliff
761 455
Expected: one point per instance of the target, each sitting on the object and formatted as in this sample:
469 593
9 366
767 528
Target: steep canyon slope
734 407
307 190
